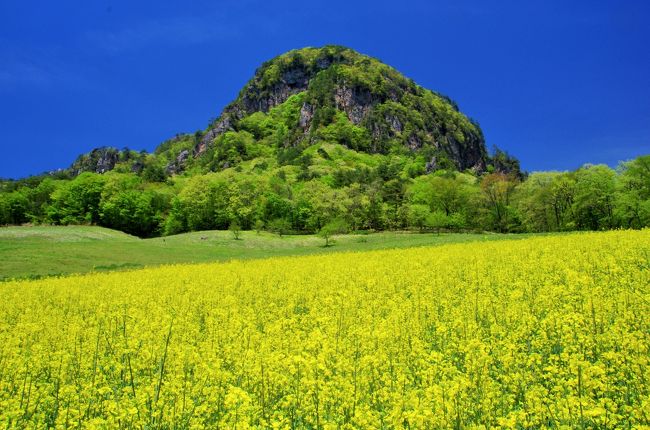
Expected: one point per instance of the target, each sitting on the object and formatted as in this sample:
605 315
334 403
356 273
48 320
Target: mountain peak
378 110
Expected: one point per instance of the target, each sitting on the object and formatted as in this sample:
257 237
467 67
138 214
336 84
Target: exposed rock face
431 165
99 160
355 102
137 167
221 126
178 164
257 96
306 114
374 97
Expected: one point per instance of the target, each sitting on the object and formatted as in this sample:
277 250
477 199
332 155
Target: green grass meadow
38 251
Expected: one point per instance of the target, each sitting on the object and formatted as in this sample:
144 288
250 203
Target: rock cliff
390 110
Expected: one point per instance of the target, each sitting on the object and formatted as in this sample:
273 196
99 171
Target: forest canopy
331 183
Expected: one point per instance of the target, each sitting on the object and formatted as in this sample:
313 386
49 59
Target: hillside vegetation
379 196
537 333
327 138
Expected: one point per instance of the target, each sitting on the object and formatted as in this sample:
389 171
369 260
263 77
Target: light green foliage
594 197
325 204
274 127
259 226
13 208
455 195
77 201
437 220
201 205
243 200
417 215
258 124
329 182
343 132
545 201
230 149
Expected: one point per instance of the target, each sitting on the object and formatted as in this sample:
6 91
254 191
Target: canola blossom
546 332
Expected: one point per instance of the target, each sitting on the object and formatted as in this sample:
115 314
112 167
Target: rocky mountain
385 110
317 96
99 160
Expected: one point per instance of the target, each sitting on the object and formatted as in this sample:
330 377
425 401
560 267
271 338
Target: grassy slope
42 251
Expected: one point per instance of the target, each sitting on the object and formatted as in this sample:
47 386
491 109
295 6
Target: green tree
632 205
244 199
544 201
14 208
5 211
333 227
202 204
498 189
417 216
393 193
593 204
279 226
39 198
437 220
259 226
133 211
77 201
235 229
326 204
454 194
154 173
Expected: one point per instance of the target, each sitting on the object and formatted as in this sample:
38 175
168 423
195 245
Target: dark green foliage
633 202
279 226
502 162
290 155
13 208
323 153
134 212
154 173
333 227
275 206
497 194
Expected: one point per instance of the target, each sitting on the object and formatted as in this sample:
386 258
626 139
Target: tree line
593 197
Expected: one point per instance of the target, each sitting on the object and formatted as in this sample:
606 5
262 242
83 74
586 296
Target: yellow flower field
534 333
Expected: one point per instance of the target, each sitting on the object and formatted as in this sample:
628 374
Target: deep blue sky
557 83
